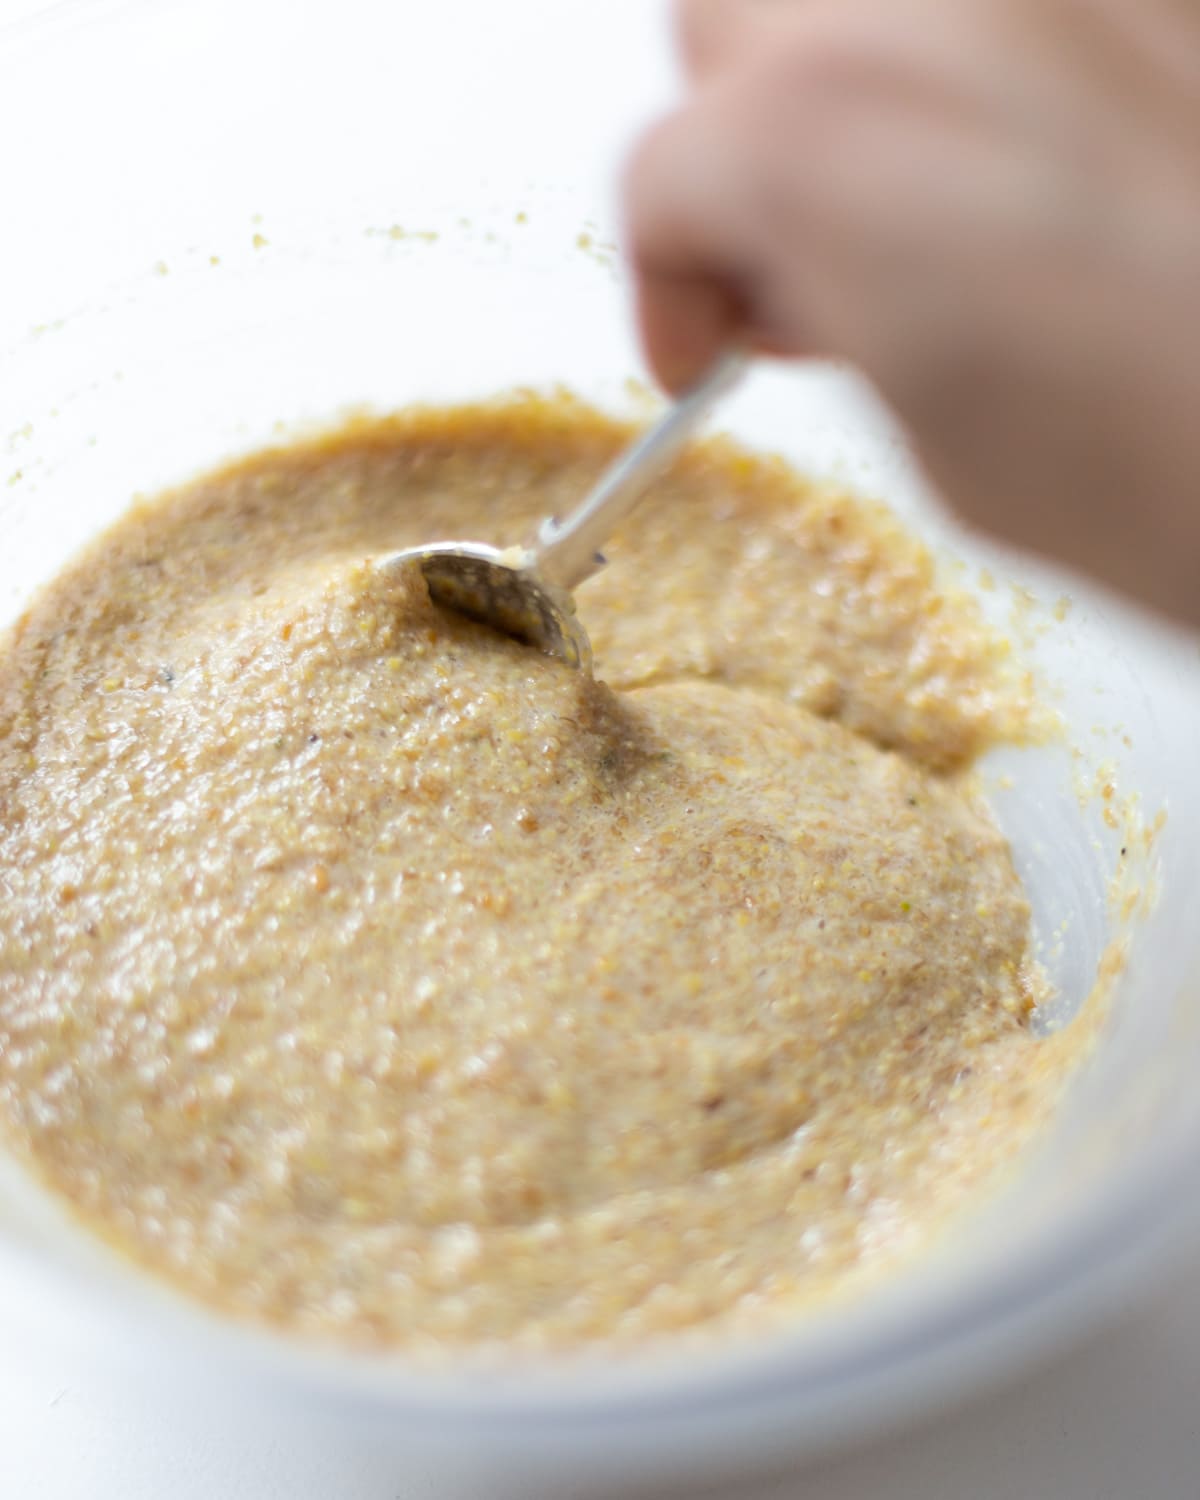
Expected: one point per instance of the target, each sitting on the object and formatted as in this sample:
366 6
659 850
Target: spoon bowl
503 588
525 592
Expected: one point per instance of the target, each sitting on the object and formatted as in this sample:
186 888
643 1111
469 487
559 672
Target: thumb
685 321
683 243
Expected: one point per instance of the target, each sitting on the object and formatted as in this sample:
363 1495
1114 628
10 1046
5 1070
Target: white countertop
1119 1419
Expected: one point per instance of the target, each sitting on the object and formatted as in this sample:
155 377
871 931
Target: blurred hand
992 207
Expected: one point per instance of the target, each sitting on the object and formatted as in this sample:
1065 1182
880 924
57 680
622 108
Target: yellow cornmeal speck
450 996
398 232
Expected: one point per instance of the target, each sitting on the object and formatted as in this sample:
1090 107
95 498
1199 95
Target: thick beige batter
367 972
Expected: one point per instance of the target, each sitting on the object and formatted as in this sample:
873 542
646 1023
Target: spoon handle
566 552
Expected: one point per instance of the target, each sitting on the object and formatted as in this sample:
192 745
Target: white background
1116 1420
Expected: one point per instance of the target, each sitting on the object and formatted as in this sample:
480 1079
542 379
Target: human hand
992 207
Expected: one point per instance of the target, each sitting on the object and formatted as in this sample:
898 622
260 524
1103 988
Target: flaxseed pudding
365 972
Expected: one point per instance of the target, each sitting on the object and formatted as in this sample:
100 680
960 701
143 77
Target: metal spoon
526 591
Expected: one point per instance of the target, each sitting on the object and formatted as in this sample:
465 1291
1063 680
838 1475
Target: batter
367 973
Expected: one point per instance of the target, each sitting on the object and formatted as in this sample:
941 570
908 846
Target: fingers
686 323
715 34
686 227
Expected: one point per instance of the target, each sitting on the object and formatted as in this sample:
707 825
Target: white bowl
224 221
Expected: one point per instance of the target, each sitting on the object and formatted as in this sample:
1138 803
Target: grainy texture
368 972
